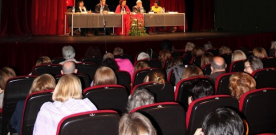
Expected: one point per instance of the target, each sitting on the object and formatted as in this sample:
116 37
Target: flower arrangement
137 27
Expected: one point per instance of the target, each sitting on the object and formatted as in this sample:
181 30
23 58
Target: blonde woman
225 50
103 76
164 55
238 55
259 52
135 124
40 83
67 98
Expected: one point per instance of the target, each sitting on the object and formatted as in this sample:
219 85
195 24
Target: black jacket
98 8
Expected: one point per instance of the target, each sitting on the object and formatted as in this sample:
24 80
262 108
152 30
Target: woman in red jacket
122 7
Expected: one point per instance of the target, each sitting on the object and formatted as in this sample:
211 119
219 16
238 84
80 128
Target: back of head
111 63
189 46
108 55
166 44
157 76
135 124
238 55
164 54
69 86
175 61
43 82
201 89
259 52
240 83
10 72
255 62
68 52
224 50
5 74
139 98
104 75
118 51
218 64
208 46
206 58
223 121
69 67
93 51
192 71
142 56
43 60
197 51
141 65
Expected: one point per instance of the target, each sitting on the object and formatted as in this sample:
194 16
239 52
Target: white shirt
51 113
84 9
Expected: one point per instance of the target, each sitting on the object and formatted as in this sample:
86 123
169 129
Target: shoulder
98 5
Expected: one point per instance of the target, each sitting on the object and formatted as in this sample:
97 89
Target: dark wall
245 15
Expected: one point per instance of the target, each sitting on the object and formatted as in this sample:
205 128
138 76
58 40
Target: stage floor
115 38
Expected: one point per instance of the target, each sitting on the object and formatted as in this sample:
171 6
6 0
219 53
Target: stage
21 53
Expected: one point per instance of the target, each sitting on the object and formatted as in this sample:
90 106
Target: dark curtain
203 15
38 17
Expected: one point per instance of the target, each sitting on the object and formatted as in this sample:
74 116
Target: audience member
189 46
93 51
67 99
197 51
218 67
272 52
208 46
139 98
206 58
40 83
125 65
224 50
164 55
240 83
118 51
222 121
200 89
142 56
43 60
135 124
192 71
238 55
259 52
108 55
141 65
156 76
103 76
69 67
6 73
252 64
111 63
68 53
175 64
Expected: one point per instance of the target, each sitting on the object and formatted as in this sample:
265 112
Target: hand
199 132
89 11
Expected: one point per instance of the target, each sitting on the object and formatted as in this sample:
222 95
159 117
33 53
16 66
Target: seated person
156 76
142 55
200 89
40 83
43 60
164 55
192 71
141 65
68 53
175 64
67 98
156 8
222 121
238 55
118 51
206 58
122 7
111 63
82 9
6 73
260 52
252 64
104 76
135 124
272 52
218 67
197 51
240 83
102 6
225 50
139 98
138 8
69 67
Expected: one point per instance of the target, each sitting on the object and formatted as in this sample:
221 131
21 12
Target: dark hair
111 63
223 121
175 61
80 1
200 89
255 62
121 1
197 51
166 44
157 2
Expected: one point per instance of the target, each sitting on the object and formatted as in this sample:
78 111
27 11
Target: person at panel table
102 6
139 7
156 8
82 9
122 7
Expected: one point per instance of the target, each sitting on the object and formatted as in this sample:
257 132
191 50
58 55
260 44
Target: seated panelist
102 6
138 8
156 8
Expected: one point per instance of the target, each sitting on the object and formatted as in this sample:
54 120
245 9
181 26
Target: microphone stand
104 24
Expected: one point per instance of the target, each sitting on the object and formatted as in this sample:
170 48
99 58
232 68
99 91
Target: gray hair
255 62
68 52
68 67
140 97
208 46
143 55
138 1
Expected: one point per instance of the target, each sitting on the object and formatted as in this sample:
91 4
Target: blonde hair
238 55
104 75
240 83
157 76
259 52
135 124
69 86
224 50
141 65
164 54
192 71
189 46
43 82
197 51
43 60
118 51
206 58
5 74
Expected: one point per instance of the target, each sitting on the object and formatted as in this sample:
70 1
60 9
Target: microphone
104 24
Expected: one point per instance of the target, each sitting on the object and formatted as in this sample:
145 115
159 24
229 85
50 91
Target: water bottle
73 10
163 10
101 11
142 10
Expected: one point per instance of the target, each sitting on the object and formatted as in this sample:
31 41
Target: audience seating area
170 114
